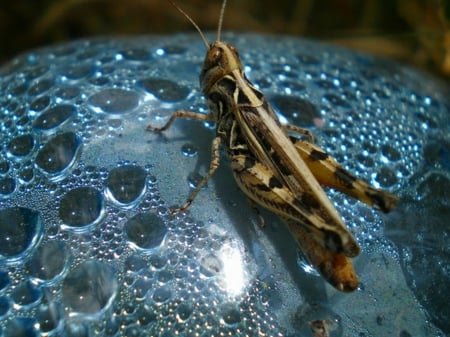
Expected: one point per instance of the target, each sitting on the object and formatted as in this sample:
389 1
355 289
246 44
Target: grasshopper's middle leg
215 163
215 157
301 131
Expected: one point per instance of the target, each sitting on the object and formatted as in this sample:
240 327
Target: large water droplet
115 100
89 288
58 153
126 184
81 207
54 117
299 111
48 316
67 92
20 230
164 90
77 71
146 230
48 261
41 86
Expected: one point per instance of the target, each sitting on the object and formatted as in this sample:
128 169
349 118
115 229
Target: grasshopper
276 170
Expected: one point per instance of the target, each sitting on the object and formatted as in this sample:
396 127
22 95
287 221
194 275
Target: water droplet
230 314
21 145
54 117
4 306
141 287
41 86
189 150
210 265
146 230
26 175
40 103
4 279
164 90
67 92
126 184
194 179
386 177
298 111
76 72
81 207
4 167
158 261
136 54
89 288
134 263
173 49
164 276
308 59
76 329
59 153
390 153
25 294
184 311
161 295
20 327
7 186
336 100
20 230
145 315
48 261
48 316
115 101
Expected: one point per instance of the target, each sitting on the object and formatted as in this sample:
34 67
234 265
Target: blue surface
87 246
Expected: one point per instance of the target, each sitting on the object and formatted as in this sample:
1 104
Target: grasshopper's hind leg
329 173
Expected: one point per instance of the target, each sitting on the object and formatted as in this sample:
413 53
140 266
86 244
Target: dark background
413 31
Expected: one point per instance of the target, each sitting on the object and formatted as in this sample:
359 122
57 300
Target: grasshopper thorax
221 59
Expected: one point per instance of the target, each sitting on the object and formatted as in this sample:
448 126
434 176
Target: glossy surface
85 191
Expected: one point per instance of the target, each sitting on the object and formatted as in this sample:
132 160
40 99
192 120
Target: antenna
219 26
205 41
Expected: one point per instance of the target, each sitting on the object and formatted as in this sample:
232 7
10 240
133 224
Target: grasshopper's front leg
181 114
215 163
215 157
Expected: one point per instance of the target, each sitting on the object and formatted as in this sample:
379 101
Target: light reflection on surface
234 277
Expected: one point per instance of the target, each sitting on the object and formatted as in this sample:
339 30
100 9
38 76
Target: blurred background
415 32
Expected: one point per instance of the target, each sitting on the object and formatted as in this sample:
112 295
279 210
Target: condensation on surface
88 245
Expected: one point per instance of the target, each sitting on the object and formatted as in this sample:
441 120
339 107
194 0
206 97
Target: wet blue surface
87 243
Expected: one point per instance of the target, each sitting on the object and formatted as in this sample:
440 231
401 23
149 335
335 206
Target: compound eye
234 50
217 53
